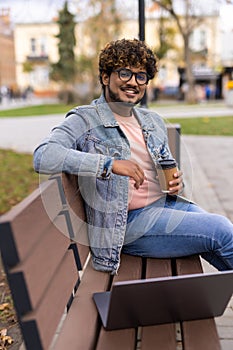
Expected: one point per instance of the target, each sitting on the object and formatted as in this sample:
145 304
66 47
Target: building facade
36 49
7 57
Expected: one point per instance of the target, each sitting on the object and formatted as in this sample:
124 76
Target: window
33 46
198 39
203 39
43 46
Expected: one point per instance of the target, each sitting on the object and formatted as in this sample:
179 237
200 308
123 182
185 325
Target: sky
32 10
226 14
45 10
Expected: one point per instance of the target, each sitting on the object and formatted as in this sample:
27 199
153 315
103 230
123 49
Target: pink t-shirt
150 190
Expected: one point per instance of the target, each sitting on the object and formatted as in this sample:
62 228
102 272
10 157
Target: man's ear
105 78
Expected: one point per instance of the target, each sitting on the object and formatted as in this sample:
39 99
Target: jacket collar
107 117
105 112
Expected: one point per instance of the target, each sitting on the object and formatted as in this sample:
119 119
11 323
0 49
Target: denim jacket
85 144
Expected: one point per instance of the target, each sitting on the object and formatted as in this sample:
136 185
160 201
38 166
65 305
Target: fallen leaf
4 306
5 339
3 332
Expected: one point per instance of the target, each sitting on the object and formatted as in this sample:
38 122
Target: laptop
163 300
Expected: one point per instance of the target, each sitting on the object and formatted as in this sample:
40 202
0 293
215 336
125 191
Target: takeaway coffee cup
165 170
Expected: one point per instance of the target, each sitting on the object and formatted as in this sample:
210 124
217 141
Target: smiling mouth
130 91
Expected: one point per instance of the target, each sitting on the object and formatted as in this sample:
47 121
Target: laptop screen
164 300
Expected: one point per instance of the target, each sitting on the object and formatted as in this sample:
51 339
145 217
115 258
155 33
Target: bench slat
39 267
79 330
201 335
51 308
198 334
188 265
123 339
70 193
130 269
163 336
19 231
74 213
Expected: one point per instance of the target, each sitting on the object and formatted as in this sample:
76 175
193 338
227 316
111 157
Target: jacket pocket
98 146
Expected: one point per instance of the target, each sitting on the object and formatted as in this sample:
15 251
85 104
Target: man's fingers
137 175
138 178
129 168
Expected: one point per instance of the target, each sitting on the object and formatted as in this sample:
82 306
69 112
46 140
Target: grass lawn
17 178
36 110
205 126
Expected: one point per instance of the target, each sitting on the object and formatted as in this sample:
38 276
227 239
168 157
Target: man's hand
176 185
131 169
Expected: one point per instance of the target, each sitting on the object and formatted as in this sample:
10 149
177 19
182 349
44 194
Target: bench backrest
44 244
37 253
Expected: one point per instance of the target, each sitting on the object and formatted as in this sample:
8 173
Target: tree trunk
190 94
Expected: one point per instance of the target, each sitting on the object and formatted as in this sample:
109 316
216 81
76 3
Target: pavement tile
225 332
210 188
226 344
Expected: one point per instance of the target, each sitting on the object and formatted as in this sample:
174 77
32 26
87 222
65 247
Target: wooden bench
43 264
46 259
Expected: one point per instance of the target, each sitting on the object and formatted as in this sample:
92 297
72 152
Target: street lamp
141 20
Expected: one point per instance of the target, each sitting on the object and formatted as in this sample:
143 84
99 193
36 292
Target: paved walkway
23 134
214 109
208 167
206 162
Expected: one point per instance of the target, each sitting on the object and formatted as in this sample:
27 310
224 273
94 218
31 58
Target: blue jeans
174 227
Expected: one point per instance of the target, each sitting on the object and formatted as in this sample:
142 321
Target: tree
191 17
166 34
102 25
65 69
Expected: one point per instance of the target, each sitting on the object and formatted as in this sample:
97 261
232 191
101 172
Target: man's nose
133 80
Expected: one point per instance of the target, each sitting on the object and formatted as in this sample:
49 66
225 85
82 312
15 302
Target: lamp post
141 20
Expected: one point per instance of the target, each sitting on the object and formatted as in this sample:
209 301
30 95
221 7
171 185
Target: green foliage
17 178
167 34
65 69
27 67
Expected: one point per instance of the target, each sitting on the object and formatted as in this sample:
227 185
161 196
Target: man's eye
141 76
125 74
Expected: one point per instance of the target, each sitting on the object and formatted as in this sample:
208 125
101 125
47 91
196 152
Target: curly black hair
127 53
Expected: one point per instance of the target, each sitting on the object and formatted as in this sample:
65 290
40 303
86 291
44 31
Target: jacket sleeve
59 153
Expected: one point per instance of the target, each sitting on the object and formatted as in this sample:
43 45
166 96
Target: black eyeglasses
126 74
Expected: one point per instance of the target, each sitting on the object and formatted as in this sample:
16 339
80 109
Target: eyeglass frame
132 73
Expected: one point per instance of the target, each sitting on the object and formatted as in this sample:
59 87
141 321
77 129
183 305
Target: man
113 147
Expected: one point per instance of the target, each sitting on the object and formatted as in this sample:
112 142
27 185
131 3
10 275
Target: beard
115 98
